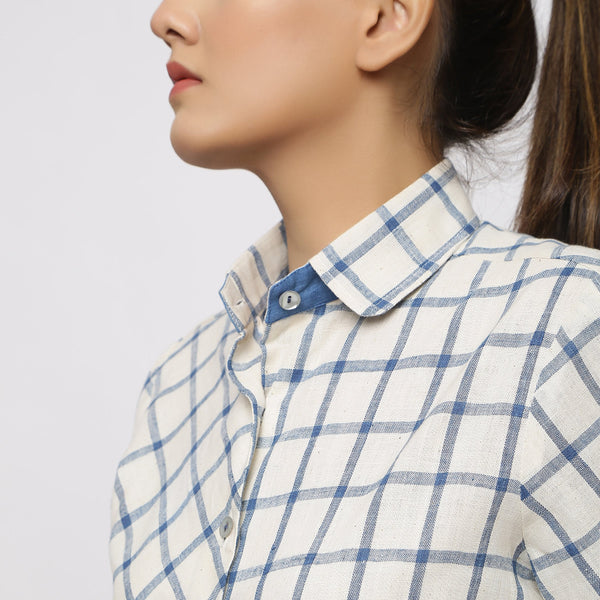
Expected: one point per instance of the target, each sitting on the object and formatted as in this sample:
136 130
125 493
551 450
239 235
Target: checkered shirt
424 424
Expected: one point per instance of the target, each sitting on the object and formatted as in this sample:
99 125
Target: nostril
172 34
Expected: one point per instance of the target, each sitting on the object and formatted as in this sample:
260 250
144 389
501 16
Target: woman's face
271 70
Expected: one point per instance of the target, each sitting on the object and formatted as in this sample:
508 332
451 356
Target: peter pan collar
370 267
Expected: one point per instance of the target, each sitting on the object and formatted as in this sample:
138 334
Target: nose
171 22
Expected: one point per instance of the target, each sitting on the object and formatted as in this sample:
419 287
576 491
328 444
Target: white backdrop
111 248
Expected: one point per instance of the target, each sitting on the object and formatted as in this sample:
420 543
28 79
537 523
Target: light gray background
111 248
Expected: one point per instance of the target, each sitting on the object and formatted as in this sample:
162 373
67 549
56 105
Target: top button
289 300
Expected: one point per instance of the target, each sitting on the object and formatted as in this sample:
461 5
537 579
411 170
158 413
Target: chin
209 151
200 153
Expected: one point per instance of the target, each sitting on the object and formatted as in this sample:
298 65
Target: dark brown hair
561 197
483 72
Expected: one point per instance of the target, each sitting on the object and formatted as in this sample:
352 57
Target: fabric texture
424 424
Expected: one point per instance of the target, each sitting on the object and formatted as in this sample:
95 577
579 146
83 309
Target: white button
289 300
226 527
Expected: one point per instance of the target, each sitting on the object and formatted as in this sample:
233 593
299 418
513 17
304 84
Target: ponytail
561 197
481 75
481 72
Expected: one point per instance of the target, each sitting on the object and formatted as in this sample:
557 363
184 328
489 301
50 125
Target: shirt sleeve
120 517
560 459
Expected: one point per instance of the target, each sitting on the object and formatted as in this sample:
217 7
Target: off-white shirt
412 414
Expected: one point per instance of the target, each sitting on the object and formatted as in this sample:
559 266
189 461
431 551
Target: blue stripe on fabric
451 433
388 479
193 463
520 550
383 555
127 548
508 450
153 428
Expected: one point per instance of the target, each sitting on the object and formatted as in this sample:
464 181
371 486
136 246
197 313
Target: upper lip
177 72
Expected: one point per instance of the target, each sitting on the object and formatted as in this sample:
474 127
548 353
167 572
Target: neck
326 181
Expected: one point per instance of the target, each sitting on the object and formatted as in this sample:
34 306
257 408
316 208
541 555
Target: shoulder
539 290
543 271
494 243
551 291
489 238
178 358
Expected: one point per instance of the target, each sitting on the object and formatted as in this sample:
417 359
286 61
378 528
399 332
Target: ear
389 29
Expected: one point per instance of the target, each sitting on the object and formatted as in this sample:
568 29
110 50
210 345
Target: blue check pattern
419 419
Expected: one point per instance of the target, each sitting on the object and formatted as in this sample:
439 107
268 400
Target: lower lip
183 84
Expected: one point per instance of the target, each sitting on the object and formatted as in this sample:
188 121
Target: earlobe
390 29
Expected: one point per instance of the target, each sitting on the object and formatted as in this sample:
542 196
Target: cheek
292 59
293 91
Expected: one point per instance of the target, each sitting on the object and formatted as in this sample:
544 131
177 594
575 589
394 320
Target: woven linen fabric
412 414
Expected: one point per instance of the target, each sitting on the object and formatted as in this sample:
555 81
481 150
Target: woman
397 400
